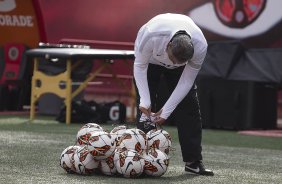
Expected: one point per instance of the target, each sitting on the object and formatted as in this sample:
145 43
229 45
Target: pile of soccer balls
122 151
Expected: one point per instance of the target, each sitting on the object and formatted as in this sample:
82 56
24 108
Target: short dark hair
182 47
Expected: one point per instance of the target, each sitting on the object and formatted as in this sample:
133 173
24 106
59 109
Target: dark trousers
186 116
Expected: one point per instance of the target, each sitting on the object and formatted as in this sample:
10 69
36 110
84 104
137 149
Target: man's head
180 48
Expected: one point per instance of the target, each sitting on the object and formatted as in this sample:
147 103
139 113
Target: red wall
114 20
103 20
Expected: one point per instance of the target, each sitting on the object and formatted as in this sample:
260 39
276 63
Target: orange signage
18 23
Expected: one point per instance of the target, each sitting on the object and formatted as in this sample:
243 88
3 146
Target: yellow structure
61 84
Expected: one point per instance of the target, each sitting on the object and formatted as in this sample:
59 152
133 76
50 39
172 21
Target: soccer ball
107 166
84 162
66 159
117 132
133 139
85 132
101 145
159 139
156 163
129 163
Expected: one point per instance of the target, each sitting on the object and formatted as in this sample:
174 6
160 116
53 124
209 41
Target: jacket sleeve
186 81
143 51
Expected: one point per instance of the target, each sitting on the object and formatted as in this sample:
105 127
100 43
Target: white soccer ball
133 139
156 163
85 132
117 132
129 163
66 159
84 162
159 139
107 166
101 145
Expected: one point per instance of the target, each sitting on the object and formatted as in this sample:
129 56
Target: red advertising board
258 23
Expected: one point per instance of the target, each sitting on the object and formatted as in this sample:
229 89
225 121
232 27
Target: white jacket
150 47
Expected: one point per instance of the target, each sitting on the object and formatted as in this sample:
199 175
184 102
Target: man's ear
168 45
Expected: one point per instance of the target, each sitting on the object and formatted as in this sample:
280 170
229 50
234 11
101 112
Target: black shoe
198 168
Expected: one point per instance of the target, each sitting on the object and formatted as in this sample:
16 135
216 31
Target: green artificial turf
30 153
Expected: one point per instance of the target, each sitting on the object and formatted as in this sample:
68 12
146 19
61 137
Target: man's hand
145 111
157 119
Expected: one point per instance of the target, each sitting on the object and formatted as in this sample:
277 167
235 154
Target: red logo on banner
238 13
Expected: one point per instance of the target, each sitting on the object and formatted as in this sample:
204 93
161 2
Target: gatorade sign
7 20
18 23
15 20
114 113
